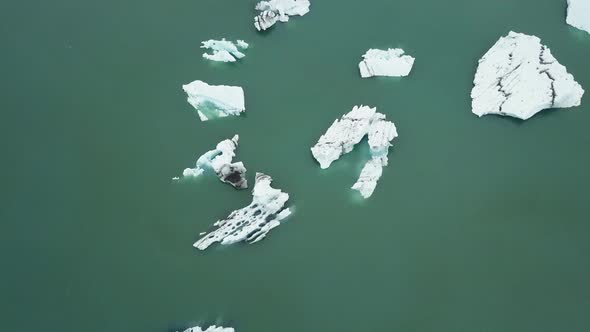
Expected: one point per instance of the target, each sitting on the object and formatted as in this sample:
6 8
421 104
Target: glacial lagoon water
476 224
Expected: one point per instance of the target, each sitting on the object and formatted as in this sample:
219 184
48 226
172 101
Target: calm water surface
476 225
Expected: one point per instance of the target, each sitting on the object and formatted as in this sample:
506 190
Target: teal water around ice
476 224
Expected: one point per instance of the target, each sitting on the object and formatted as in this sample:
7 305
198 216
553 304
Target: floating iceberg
392 62
519 77
220 161
252 223
278 10
578 14
367 181
343 135
212 328
381 133
348 131
215 101
224 50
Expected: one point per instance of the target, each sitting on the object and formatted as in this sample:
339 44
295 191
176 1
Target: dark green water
476 225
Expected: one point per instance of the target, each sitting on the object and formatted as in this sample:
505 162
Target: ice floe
278 10
346 132
392 62
224 50
212 328
253 222
578 14
220 161
215 101
519 77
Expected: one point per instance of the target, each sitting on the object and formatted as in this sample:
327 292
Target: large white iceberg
278 10
392 62
212 328
215 101
348 131
578 14
252 223
224 50
519 77
220 161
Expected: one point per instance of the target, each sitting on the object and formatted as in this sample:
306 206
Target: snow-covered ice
278 10
519 77
345 133
220 161
212 328
253 222
224 50
215 101
578 14
392 62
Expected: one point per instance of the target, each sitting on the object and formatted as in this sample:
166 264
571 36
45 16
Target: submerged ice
348 131
212 328
392 62
519 77
253 222
214 101
224 50
220 161
578 14
274 11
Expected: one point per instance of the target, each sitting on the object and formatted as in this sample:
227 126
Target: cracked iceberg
274 11
578 14
224 50
345 133
220 161
392 62
519 77
212 328
252 223
215 101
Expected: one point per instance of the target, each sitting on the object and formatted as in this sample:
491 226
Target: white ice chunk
381 133
368 178
345 133
252 223
215 101
278 10
212 328
224 50
392 62
220 161
578 14
519 77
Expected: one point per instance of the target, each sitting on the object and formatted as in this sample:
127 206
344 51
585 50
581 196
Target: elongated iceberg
252 223
392 62
224 50
519 77
220 161
211 328
215 101
345 133
274 11
578 14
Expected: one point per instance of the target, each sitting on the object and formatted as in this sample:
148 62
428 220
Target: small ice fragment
224 50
